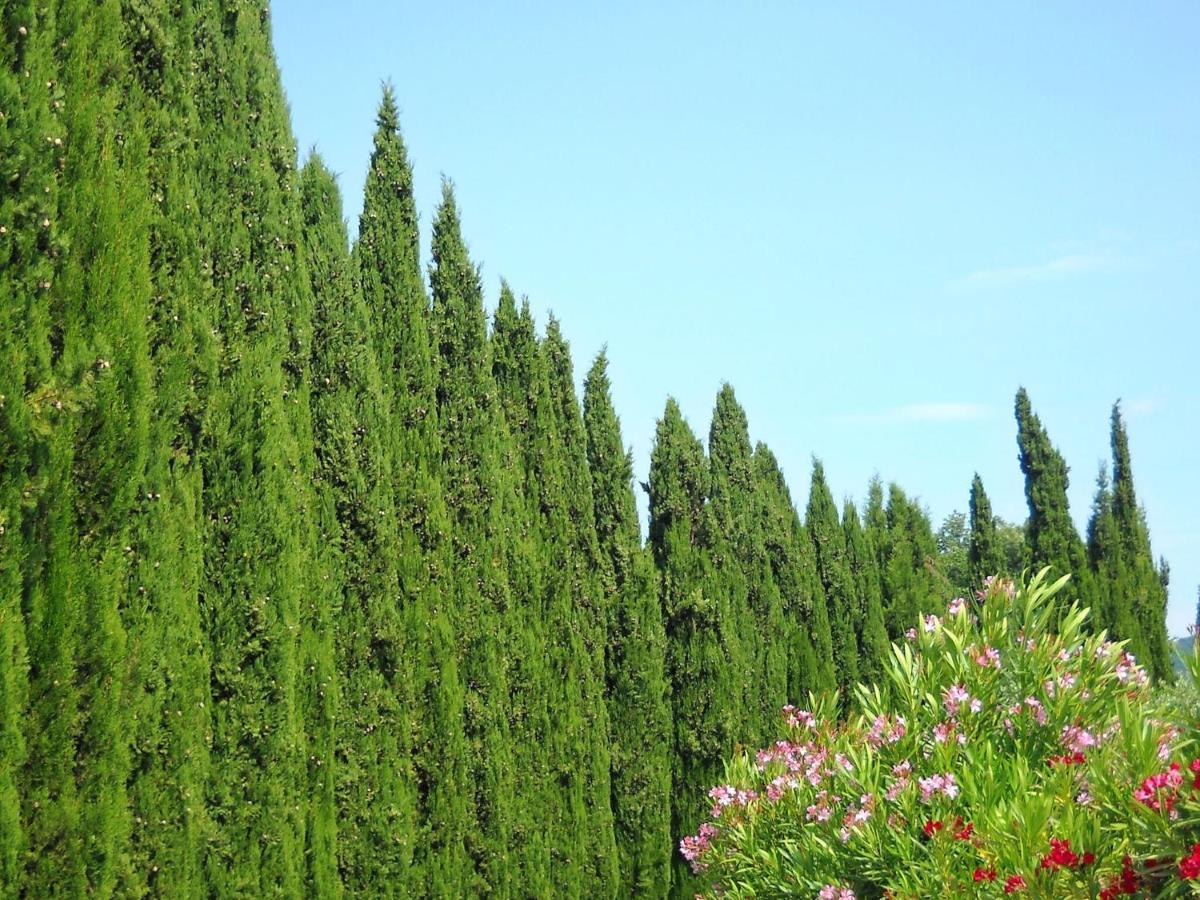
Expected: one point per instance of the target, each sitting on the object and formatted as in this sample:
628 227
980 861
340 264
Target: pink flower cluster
886 730
694 846
988 657
1160 791
938 784
726 796
797 718
833 892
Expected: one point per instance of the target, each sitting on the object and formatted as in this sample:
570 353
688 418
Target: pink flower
694 846
957 605
1077 739
934 784
798 717
931 623
953 697
988 657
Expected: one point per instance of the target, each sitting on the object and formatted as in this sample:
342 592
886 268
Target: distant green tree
1138 582
638 705
984 553
1110 612
953 545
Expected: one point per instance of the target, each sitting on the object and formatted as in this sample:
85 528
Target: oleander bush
1007 750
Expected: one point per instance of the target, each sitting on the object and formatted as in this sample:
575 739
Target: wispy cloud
921 412
1144 406
1060 267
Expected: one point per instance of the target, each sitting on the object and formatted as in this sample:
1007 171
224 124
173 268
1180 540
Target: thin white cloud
1144 406
1061 267
921 412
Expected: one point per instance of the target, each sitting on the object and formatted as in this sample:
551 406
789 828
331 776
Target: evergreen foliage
984 556
387 263
310 587
638 707
1050 534
793 565
704 654
874 648
829 543
1137 582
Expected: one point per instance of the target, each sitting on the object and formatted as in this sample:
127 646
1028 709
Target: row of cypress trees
313 581
1115 574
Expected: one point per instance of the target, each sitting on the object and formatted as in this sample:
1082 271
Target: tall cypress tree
983 552
703 652
588 631
793 564
829 542
1050 534
638 706
387 261
375 782
90 408
1138 582
559 677
871 634
756 604
168 688
1116 617
263 596
475 447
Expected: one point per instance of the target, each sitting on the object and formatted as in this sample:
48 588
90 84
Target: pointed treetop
729 436
387 119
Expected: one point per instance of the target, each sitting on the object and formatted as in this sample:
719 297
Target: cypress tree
829 542
638 706
1138 582
475 447
1050 533
586 594
703 653
167 687
89 406
558 575
352 430
756 604
983 551
387 261
1110 614
793 564
873 645
264 594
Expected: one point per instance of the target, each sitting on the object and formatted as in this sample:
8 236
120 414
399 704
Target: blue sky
874 220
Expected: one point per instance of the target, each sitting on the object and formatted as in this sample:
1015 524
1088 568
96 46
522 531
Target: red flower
1123 884
1088 858
962 832
1067 759
981 874
1060 855
1189 866
1014 885
933 827
1195 767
